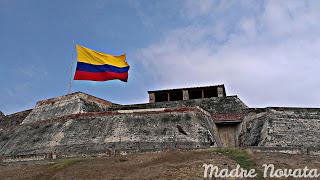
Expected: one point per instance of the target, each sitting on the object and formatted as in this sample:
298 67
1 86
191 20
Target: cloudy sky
266 52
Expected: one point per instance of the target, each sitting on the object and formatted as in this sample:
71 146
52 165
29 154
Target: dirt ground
156 165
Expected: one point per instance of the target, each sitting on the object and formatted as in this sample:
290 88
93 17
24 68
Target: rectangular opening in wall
195 94
161 97
176 95
210 92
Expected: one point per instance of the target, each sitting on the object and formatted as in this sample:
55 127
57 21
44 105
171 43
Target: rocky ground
161 165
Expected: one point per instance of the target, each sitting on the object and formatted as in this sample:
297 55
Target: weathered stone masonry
281 127
81 124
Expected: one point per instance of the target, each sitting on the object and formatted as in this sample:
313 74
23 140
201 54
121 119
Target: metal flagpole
70 80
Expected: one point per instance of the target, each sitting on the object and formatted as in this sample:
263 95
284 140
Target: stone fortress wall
281 127
80 124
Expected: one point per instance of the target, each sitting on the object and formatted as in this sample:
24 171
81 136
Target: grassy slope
164 165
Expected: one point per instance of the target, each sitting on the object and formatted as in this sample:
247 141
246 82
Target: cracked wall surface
97 133
13 120
281 127
78 124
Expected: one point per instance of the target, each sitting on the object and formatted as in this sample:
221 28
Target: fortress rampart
80 124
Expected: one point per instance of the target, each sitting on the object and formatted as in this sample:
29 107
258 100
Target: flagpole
70 79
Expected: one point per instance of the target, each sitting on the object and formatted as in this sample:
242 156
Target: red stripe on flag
100 76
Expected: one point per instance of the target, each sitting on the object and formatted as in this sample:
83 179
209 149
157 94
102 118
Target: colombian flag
97 66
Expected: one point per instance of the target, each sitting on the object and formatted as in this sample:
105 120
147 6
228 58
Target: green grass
63 163
242 157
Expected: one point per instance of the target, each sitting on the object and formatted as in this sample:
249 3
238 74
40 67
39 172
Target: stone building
187 118
186 93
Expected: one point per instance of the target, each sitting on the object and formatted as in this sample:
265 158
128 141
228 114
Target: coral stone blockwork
98 132
78 124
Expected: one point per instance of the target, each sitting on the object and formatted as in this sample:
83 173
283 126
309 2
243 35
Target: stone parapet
74 103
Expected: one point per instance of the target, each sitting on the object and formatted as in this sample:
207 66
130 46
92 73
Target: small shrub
63 163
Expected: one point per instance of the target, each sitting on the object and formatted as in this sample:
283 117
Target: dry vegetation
164 165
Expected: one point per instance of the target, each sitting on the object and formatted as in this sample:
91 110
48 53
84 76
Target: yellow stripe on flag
90 56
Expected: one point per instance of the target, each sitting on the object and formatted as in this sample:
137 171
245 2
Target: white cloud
194 8
271 58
